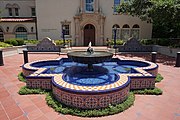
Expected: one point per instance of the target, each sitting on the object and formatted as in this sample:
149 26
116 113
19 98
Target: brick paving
33 107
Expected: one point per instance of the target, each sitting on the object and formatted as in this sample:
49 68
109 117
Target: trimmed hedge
161 42
15 41
118 42
25 91
61 42
155 91
159 78
4 45
31 42
21 77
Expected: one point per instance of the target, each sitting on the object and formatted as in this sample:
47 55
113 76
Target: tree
164 14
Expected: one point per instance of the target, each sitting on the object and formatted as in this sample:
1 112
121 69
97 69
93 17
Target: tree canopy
164 14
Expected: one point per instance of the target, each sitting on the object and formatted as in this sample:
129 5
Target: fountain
105 81
90 57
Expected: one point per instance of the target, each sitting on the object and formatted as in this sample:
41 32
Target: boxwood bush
31 42
159 78
4 45
61 42
15 41
118 42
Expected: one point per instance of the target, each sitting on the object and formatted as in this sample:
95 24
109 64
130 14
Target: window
16 12
33 11
10 11
13 9
21 32
116 3
89 6
65 28
1 35
125 32
135 31
118 35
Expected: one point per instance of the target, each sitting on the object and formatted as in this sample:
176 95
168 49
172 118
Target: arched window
118 35
126 26
21 32
1 35
125 32
135 31
89 5
136 26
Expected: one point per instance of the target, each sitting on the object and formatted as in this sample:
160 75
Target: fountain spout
90 49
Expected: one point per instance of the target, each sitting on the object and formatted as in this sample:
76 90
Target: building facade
81 21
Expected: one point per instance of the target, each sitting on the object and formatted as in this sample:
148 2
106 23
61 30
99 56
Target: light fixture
32 29
7 29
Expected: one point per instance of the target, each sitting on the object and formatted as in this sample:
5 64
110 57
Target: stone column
82 5
96 6
153 57
1 58
77 29
178 60
25 53
102 30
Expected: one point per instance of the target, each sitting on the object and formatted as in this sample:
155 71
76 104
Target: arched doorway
89 34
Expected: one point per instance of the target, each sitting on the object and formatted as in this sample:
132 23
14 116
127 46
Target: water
78 74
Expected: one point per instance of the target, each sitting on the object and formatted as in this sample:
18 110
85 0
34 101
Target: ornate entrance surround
96 18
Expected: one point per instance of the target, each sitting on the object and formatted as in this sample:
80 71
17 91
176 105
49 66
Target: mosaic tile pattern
91 101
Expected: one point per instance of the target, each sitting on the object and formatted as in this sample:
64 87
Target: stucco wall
50 15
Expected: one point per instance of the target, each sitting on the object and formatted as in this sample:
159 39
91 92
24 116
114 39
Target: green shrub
12 42
175 46
163 41
159 41
20 42
61 42
31 42
15 41
159 78
118 42
25 90
21 77
4 45
154 91
147 42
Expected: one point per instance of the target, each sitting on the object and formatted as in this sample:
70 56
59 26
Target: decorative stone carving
96 19
46 45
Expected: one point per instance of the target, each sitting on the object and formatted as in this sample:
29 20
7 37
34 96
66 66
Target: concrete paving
33 107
